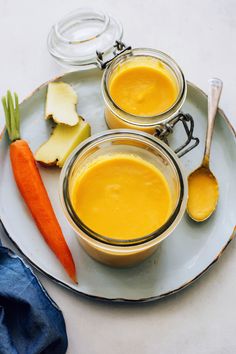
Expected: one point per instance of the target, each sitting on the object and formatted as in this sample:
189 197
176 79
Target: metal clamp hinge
164 130
119 48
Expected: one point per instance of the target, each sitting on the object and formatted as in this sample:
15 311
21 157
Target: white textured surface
200 35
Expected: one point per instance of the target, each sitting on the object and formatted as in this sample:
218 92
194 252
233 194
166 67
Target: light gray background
201 36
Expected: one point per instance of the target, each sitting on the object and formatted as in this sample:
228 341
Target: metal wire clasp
119 48
164 130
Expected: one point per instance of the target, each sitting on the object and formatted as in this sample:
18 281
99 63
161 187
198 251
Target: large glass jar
114 252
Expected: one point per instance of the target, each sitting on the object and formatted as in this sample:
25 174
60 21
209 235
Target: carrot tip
74 279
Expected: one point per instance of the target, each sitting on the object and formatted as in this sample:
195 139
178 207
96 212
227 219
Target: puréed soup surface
121 196
143 88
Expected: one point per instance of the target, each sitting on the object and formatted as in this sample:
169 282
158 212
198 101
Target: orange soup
143 87
121 196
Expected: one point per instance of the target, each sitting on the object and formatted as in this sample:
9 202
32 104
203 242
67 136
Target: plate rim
121 300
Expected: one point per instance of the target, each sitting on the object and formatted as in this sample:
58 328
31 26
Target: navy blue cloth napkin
30 322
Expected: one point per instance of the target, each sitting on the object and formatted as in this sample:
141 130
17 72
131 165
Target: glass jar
117 252
115 116
88 38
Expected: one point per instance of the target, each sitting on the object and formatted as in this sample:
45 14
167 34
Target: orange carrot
32 189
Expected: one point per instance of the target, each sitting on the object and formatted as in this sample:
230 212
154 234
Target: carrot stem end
12 115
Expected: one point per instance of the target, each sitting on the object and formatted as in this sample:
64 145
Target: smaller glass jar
89 38
115 116
117 252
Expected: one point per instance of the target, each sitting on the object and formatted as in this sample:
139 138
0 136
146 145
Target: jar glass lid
76 38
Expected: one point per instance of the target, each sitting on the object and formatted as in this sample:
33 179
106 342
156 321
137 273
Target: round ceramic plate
183 256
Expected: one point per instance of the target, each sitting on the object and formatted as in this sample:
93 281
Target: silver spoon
203 185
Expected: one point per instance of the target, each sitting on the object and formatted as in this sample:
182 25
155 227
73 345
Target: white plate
182 258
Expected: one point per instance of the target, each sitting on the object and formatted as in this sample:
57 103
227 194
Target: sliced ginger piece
61 103
61 143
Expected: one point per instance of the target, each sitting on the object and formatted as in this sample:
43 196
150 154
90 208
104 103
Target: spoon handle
215 88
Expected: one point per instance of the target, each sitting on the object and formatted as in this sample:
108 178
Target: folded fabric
30 322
